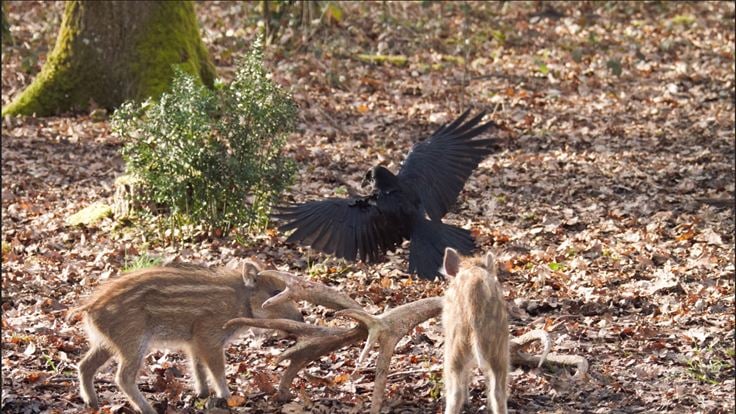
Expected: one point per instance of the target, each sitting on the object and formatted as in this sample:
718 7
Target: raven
428 183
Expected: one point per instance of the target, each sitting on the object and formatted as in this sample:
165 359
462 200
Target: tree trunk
7 37
110 51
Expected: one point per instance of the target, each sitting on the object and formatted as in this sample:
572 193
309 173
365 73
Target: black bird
427 184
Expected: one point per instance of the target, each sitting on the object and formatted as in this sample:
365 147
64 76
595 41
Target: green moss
458 60
396 60
89 215
683 20
57 86
7 248
171 38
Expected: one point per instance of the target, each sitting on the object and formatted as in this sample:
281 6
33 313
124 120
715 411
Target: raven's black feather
428 182
442 164
428 243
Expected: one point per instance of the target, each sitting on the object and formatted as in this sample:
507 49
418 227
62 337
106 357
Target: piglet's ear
451 263
490 262
254 265
248 271
259 265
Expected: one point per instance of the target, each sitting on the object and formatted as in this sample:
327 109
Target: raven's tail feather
428 242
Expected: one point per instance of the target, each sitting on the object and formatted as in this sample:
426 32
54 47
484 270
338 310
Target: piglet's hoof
161 406
218 411
217 405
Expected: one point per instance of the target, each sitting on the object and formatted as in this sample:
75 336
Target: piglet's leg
200 376
210 353
131 357
458 363
496 374
88 367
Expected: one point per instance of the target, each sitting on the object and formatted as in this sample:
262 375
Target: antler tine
411 314
538 334
580 363
375 325
301 289
521 358
361 316
387 329
283 296
383 361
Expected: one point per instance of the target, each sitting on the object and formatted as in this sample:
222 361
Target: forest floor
610 201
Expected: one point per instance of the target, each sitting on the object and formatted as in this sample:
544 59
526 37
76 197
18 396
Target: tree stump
127 196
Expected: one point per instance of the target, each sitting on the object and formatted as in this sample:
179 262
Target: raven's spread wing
346 228
439 166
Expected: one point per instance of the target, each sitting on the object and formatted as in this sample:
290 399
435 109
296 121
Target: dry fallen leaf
340 378
689 234
236 400
30 349
709 236
293 407
264 382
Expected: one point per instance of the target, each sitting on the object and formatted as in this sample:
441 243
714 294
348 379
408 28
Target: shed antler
311 343
522 358
302 289
385 329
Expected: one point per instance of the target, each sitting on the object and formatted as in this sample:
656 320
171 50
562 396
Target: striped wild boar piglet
183 305
476 326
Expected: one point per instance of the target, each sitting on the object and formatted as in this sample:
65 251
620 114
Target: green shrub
142 261
211 158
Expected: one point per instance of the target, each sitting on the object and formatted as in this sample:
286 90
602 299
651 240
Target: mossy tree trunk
7 38
108 52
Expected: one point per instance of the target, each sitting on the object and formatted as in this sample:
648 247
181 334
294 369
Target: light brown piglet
476 326
183 305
